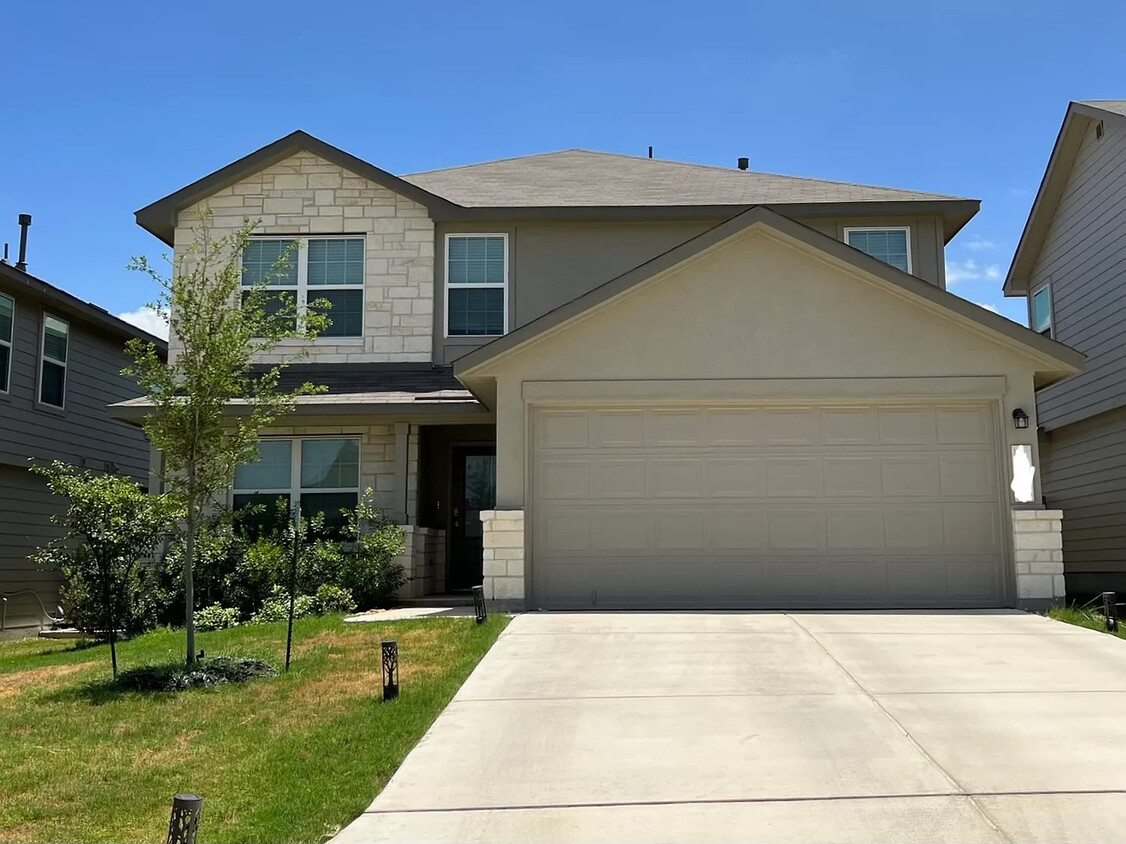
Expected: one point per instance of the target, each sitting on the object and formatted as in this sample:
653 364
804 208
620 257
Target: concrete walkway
831 727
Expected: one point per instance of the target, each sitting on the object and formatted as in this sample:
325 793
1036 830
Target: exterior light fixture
479 607
390 670
186 810
1110 610
1020 419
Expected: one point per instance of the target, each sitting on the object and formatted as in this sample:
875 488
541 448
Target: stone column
1038 555
504 557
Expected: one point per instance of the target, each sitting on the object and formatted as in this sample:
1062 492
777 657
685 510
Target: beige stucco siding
306 195
757 308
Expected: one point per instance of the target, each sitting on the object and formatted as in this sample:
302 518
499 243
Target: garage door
874 505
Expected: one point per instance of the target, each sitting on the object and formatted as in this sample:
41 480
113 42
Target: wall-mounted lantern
1020 419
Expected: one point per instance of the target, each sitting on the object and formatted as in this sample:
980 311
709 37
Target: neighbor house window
52 361
305 270
1042 311
313 475
890 245
7 326
476 285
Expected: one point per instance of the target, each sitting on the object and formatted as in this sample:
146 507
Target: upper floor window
892 245
303 271
315 475
52 361
1042 311
7 326
476 285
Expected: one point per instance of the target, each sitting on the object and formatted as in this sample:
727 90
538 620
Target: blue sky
111 106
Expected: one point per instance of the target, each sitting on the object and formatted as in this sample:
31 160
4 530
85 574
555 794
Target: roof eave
159 218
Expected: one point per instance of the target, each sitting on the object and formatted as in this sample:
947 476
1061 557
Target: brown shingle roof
578 177
1114 106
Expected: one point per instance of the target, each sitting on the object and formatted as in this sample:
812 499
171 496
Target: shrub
330 598
211 672
276 607
369 569
216 617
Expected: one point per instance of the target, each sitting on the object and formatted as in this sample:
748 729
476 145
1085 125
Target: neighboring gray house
60 366
592 380
1071 266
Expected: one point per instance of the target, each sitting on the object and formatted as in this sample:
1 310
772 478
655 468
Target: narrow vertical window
1042 311
7 327
52 361
476 285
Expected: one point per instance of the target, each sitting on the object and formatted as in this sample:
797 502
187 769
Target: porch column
1038 555
503 539
401 512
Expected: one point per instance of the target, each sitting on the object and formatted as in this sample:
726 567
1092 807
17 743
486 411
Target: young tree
210 402
109 526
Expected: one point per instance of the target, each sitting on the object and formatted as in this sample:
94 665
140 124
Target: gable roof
70 305
1060 360
1080 114
159 218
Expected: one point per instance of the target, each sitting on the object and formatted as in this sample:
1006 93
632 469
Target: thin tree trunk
189 586
111 621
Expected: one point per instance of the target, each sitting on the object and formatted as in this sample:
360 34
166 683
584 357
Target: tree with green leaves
210 401
109 526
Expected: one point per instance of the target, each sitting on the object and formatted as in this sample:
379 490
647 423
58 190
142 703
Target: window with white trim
55 346
7 328
476 285
301 271
890 244
1040 316
311 474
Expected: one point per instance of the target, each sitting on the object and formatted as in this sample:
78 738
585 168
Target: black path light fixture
390 653
1020 419
1110 610
186 811
479 608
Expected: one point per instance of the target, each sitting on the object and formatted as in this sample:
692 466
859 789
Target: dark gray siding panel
26 507
82 434
1084 259
1085 476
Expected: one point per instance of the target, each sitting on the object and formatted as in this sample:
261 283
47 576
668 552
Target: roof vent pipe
25 222
744 163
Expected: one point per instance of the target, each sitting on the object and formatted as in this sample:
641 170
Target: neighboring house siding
1085 476
83 433
306 195
1084 259
552 263
26 507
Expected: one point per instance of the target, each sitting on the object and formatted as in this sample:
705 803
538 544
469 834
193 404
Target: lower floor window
309 475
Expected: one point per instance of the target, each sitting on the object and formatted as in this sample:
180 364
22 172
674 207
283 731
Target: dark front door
474 490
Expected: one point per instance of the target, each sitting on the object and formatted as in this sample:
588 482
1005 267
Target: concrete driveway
846 727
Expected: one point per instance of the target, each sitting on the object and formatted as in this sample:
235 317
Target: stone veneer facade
1038 556
306 195
504 556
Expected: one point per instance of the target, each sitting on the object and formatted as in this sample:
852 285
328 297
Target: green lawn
286 759
1084 618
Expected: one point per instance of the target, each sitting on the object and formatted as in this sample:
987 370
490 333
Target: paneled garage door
874 505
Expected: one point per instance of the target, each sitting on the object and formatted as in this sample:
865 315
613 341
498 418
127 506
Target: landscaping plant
217 332
109 526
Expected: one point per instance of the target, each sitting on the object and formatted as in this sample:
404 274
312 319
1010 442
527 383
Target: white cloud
987 307
971 270
979 244
147 320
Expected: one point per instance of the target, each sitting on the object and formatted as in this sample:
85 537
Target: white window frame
8 344
471 285
294 491
301 292
1047 285
43 359
907 229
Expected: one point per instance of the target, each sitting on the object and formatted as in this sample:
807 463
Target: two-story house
60 366
593 380
1070 264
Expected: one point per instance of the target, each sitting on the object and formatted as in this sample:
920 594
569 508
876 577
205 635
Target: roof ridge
714 167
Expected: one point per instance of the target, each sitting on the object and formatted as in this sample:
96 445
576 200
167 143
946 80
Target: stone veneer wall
304 194
423 558
504 556
1038 554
